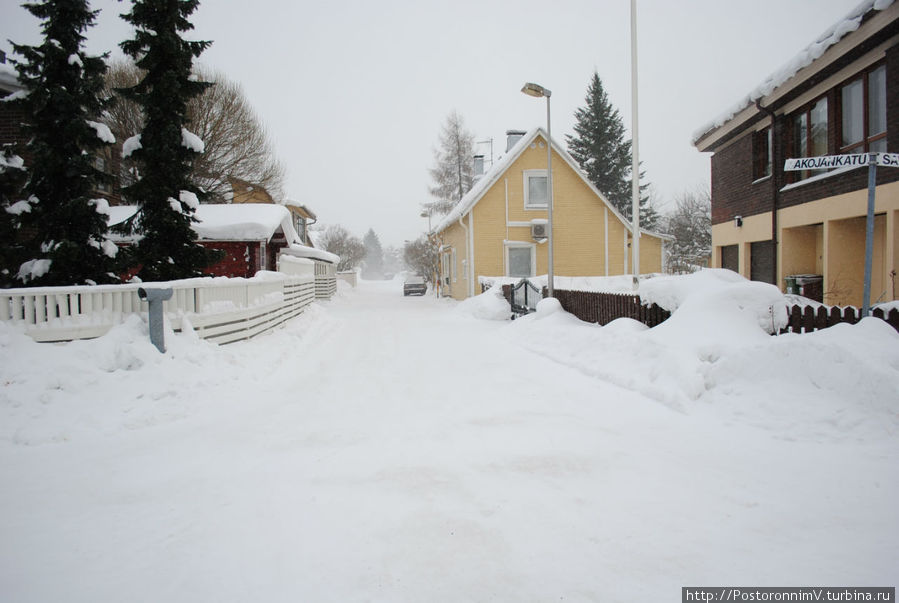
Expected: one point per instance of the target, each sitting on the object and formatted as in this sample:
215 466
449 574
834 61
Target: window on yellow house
535 189
521 260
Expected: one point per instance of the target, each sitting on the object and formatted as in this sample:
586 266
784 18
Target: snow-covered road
383 448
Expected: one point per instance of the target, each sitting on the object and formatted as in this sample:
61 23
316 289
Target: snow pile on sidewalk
390 449
717 349
490 305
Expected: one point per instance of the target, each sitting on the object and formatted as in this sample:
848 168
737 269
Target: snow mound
716 354
836 382
548 306
490 305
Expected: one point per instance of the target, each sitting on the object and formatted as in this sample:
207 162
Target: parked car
415 284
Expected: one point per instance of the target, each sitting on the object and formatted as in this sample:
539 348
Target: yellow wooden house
499 227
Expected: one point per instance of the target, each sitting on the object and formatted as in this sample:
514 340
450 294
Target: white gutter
465 228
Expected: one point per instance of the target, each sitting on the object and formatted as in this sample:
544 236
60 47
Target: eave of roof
790 74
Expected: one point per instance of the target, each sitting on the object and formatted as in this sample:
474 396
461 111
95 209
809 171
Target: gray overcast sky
354 93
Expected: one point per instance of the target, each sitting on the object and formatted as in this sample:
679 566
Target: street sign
872 160
837 161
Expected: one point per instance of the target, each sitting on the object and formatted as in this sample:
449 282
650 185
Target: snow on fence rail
222 310
805 319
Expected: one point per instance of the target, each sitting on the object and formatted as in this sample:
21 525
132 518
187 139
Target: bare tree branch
236 143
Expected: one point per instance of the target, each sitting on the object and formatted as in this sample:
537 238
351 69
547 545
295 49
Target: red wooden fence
805 319
603 308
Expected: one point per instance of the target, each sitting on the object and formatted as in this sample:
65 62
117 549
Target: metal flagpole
635 148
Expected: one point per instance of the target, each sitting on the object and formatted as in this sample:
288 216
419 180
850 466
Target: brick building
838 95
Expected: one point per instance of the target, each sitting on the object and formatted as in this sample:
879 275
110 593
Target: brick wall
735 193
10 130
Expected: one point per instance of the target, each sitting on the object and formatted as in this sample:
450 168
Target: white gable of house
499 169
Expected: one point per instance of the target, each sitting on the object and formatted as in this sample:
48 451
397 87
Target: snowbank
490 305
717 349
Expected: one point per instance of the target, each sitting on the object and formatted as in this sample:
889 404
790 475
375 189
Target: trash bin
791 287
806 285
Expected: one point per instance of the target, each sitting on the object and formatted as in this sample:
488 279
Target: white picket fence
222 310
325 280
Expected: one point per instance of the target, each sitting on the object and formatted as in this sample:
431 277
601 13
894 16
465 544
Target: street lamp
426 214
537 90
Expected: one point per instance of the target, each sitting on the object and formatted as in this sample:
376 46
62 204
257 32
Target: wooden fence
603 308
219 309
805 319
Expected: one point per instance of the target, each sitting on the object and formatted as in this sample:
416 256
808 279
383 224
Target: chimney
478 165
513 136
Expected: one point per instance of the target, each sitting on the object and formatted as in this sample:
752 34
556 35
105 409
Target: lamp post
427 214
538 91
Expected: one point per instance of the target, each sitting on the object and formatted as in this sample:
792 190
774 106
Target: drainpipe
471 287
467 244
775 170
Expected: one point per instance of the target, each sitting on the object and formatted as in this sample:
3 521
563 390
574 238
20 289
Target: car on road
415 284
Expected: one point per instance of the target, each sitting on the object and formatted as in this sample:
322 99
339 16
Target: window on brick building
809 126
102 165
863 113
761 154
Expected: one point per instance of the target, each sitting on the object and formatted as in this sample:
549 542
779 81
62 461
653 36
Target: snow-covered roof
803 59
301 251
499 168
239 222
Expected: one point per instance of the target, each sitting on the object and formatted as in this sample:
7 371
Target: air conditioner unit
538 231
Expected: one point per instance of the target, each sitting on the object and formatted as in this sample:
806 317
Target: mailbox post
155 297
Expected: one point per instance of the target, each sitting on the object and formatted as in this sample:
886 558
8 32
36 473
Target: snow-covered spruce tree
600 148
373 268
64 228
12 178
453 174
164 151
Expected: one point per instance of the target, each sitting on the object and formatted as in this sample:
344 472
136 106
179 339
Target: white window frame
455 265
518 245
445 275
527 175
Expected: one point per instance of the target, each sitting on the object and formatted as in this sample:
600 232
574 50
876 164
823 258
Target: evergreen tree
600 148
67 234
12 178
453 174
374 256
164 151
